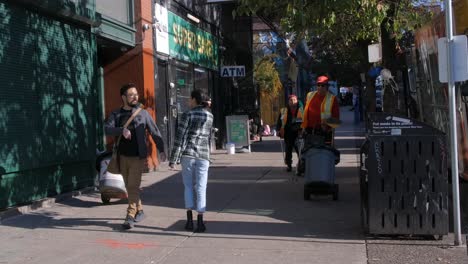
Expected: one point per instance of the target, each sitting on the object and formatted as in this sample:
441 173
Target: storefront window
116 9
184 85
201 79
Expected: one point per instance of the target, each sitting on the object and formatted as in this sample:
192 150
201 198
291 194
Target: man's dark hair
200 97
125 87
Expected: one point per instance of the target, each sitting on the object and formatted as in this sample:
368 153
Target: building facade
48 71
62 63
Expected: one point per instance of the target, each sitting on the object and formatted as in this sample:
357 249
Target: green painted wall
48 102
74 9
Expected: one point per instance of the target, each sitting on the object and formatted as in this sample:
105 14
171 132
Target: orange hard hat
322 79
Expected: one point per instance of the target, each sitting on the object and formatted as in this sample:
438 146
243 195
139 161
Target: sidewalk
256 214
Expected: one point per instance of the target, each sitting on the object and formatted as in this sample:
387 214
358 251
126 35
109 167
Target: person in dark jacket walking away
289 125
132 148
192 150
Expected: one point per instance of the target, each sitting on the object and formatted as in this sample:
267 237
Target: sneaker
129 222
140 215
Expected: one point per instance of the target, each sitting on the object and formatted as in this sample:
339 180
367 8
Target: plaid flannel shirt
193 135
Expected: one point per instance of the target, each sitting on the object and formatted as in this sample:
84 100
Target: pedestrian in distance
132 149
289 126
356 104
192 150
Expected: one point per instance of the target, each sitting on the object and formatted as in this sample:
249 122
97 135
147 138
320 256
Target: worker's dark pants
290 143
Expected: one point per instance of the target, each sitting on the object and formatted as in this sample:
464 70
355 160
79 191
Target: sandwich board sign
237 127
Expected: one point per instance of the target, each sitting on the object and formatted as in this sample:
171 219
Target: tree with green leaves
339 31
267 77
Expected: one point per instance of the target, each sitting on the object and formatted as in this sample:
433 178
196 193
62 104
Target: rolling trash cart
319 160
110 185
320 172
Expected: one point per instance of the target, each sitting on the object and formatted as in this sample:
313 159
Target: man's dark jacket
142 122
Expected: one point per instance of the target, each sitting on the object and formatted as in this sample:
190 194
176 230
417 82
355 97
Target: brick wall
136 66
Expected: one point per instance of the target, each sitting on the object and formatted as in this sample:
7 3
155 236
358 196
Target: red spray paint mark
117 244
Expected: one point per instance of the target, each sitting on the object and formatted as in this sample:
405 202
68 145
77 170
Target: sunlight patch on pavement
230 181
262 212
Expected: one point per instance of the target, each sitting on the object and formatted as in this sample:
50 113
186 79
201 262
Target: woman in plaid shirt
192 150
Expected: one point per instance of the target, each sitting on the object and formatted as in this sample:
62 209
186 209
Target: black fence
403 178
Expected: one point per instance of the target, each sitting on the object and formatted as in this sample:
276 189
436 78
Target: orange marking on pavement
117 244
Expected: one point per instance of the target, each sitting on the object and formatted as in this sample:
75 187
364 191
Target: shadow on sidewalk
253 197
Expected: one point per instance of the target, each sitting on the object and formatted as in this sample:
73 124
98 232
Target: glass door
162 104
182 84
201 80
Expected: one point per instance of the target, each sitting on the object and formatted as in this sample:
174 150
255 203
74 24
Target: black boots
200 224
189 224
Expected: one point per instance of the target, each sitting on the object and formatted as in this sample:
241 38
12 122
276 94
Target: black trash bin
403 178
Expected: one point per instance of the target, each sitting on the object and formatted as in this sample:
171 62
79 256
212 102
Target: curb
43 203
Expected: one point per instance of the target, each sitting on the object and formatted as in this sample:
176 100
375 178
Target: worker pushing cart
321 117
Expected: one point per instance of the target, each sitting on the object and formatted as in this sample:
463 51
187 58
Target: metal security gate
404 184
48 71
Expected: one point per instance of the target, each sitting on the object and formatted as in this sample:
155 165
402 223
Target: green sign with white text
189 43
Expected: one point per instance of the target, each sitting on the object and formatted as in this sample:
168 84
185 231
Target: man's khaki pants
131 169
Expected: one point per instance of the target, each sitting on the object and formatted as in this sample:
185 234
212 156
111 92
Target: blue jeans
195 177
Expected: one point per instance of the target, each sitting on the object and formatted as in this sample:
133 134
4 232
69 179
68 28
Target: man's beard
132 103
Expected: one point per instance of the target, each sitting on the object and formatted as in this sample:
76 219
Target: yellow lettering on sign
201 44
183 37
209 48
175 28
193 40
189 39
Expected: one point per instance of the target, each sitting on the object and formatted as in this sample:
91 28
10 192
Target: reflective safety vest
325 108
284 115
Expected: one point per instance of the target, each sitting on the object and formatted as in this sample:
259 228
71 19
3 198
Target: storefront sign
161 29
232 71
189 43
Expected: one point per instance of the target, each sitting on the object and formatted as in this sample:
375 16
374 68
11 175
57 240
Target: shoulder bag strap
128 123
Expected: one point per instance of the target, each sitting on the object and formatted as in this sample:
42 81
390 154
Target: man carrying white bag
110 185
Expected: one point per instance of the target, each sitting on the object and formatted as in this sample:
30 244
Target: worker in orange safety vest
320 106
289 126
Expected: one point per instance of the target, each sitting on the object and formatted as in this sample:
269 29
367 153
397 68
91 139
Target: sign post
453 126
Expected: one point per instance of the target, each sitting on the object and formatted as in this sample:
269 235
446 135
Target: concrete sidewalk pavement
256 214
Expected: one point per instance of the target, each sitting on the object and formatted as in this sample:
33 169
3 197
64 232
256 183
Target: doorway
162 104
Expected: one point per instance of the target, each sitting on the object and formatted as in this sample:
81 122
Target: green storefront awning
189 43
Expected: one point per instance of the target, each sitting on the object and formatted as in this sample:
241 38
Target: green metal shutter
47 106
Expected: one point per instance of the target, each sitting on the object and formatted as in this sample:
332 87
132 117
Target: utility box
403 177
